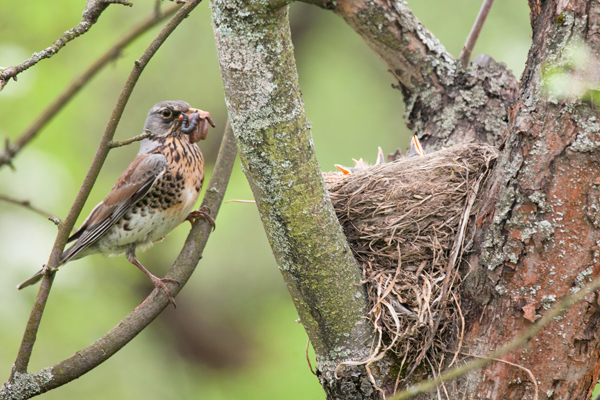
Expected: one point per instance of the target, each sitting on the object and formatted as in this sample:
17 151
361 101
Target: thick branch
444 104
64 230
12 149
273 135
92 12
26 385
413 54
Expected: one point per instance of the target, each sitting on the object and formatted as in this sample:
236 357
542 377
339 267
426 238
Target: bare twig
240 201
11 150
25 350
91 14
465 54
27 204
117 143
519 341
98 352
308 358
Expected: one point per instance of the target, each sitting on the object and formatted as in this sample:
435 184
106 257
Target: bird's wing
132 186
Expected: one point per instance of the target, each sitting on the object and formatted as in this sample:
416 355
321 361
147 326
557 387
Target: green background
233 334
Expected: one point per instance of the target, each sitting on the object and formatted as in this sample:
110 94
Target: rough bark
444 104
267 114
541 239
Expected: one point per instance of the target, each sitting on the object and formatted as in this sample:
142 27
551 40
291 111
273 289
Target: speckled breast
174 194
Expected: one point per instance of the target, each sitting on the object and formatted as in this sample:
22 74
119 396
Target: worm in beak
195 124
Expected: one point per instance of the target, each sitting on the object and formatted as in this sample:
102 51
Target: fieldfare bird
155 193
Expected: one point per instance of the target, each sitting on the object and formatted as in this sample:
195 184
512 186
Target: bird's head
176 117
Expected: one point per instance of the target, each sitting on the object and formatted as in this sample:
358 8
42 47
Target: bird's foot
203 212
160 284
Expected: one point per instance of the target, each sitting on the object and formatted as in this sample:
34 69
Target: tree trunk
273 136
541 239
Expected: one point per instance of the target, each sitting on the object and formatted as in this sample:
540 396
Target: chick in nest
415 150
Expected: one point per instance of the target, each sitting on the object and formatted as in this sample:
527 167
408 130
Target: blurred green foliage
233 335
575 74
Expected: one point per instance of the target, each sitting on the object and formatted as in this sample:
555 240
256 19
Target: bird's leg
158 283
203 212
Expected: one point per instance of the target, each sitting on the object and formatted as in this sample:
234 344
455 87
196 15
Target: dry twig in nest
409 223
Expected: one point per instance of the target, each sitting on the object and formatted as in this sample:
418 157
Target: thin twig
26 348
91 14
240 201
27 204
116 143
465 54
308 358
11 150
519 341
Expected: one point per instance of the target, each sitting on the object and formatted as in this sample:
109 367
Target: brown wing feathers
131 187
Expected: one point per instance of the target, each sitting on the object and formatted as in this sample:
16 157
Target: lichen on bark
273 135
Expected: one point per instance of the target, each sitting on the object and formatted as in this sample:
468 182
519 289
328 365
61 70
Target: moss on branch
267 113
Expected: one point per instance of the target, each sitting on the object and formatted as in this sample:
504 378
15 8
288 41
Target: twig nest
403 220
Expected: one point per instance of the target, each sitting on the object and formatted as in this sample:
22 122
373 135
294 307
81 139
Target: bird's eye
166 113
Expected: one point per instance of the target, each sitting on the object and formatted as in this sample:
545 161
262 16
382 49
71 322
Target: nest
409 223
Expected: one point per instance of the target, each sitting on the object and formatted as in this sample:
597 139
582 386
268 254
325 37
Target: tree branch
27 204
26 348
444 104
91 14
465 54
11 150
119 143
26 385
412 53
267 113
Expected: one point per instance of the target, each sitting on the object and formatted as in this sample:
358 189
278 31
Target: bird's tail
33 280
68 255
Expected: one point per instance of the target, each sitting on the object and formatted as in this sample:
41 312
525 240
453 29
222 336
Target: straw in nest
409 222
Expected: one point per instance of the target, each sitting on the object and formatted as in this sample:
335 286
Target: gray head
164 116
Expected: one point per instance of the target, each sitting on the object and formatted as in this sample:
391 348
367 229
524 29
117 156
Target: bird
415 148
155 194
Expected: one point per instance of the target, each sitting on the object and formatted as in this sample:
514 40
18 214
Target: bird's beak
197 125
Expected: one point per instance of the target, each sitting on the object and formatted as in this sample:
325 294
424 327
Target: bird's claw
203 212
160 284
